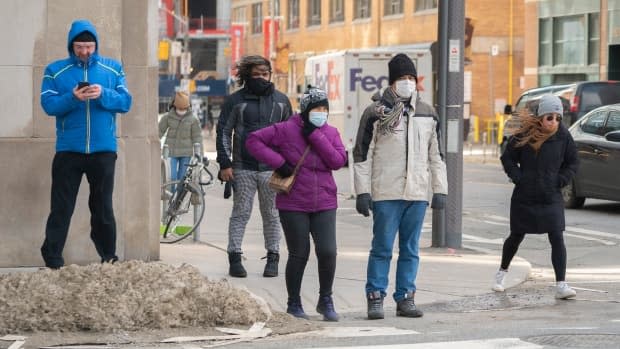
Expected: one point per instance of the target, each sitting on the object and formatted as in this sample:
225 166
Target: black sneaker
406 307
271 268
375 305
236 268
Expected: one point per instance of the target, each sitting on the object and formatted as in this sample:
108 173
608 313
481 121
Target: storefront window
545 51
569 40
593 38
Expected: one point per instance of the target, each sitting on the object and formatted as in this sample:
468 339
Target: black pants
558 252
297 226
67 171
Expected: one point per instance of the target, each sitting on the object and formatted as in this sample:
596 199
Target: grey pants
245 186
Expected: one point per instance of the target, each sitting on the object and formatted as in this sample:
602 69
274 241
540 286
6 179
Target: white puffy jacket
405 165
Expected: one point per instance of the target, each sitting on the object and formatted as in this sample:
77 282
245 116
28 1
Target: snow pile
131 295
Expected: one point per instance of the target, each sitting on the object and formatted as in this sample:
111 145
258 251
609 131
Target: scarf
390 117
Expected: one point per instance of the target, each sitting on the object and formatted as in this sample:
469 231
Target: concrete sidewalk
444 274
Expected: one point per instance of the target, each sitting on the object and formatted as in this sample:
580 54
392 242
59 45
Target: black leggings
558 252
322 227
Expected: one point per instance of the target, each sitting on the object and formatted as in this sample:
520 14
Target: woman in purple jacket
310 206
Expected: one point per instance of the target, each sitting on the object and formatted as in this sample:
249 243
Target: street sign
454 56
186 63
175 49
494 50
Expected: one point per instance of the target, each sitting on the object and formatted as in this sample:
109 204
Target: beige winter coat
183 132
404 165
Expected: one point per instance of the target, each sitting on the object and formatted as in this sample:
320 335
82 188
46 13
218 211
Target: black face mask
259 86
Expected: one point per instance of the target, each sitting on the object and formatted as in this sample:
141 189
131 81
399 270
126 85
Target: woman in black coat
540 159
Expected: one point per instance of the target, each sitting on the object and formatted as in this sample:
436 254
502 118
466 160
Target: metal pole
454 134
197 153
511 29
439 230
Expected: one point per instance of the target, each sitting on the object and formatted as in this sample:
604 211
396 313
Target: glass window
257 18
336 11
293 14
594 26
595 95
569 40
545 48
361 9
595 123
276 8
613 122
239 15
392 7
422 5
314 12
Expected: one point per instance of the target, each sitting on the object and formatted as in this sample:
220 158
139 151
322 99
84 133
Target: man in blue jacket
83 92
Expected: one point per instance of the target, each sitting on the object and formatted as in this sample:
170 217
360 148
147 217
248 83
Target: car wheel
569 195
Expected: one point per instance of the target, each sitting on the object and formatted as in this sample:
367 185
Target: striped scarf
390 117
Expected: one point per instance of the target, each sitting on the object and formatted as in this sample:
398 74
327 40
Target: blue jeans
178 166
390 216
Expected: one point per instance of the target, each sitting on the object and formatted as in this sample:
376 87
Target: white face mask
181 112
317 118
405 88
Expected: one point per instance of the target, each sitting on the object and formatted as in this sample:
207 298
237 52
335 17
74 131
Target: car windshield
595 95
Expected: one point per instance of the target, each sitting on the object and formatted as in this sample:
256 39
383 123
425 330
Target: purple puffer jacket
314 189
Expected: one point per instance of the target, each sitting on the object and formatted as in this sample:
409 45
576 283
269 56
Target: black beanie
84 36
401 65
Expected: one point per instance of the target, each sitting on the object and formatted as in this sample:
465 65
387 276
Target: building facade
494 43
575 40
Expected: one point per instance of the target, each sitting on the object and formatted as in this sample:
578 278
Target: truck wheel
569 195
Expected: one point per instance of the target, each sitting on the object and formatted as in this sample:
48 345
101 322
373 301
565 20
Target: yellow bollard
500 127
476 126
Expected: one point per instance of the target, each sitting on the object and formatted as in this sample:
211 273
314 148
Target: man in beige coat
397 164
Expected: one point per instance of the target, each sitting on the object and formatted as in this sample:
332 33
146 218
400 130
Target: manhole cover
578 340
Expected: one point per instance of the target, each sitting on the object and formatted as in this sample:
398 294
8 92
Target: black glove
439 201
285 170
363 204
308 128
227 189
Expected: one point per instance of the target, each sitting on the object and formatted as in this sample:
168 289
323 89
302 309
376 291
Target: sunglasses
556 118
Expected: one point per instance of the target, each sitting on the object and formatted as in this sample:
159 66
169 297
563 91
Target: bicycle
183 201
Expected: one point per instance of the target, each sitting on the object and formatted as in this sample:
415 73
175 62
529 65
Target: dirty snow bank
129 295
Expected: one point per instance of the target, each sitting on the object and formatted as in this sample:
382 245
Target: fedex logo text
368 83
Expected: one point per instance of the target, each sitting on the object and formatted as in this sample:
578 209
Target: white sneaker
499 281
563 291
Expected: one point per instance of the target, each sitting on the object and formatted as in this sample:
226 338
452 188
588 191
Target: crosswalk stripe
503 343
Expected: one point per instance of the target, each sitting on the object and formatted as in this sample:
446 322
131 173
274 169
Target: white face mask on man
405 88
181 112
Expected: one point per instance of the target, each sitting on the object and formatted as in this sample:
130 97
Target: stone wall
33 34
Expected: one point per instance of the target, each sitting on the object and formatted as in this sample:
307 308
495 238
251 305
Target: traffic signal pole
447 223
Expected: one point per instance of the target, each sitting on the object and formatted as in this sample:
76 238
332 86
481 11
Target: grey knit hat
312 98
550 104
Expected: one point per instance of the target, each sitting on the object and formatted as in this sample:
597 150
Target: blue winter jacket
89 126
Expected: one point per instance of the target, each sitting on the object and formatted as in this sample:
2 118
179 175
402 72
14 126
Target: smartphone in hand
83 84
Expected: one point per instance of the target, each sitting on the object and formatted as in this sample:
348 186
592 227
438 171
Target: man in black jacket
256 105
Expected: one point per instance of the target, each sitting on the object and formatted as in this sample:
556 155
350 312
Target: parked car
586 96
597 136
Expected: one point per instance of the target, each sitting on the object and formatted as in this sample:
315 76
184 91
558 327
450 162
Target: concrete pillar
127 32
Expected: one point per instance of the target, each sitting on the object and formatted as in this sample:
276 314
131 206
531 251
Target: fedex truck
351 77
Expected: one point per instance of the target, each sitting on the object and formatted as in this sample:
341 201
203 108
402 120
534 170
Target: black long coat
536 206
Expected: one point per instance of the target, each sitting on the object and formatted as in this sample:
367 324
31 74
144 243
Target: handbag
284 185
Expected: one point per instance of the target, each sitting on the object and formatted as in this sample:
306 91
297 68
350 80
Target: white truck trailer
351 77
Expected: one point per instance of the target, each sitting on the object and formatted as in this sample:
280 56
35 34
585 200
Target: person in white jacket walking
396 150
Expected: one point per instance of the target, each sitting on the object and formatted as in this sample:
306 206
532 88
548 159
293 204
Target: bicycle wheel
182 208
